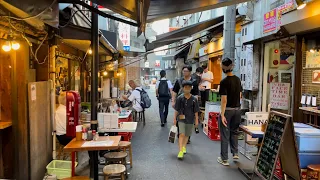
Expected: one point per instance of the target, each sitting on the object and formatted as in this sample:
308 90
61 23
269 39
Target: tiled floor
154 158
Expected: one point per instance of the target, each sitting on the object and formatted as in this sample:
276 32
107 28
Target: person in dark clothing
197 76
163 93
231 94
178 89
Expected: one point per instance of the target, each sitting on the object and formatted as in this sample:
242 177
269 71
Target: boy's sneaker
235 156
225 163
180 155
184 150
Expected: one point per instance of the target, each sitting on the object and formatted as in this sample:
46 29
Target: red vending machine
73 112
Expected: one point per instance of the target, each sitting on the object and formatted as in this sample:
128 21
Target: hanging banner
279 95
270 21
124 35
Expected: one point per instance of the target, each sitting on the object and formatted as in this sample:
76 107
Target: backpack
145 100
163 89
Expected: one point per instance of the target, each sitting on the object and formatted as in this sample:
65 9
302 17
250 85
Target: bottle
95 135
83 134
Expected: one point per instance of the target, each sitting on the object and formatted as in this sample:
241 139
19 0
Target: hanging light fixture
15 45
7 46
301 4
90 51
105 73
312 51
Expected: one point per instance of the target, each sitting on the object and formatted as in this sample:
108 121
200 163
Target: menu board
270 147
279 95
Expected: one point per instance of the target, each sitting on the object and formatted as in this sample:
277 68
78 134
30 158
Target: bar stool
124 146
139 116
114 170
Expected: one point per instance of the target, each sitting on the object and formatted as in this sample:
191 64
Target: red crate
214 134
125 136
213 119
213 124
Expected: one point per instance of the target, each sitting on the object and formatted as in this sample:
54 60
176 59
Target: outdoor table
94 147
255 132
124 127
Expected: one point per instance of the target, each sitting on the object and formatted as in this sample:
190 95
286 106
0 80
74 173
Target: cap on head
227 65
186 83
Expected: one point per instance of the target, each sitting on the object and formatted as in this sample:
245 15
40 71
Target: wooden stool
117 170
124 146
139 116
116 157
77 178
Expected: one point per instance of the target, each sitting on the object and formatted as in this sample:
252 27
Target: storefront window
279 58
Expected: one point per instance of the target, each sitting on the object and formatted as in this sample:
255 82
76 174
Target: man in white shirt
135 96
61 120
207 79
163 92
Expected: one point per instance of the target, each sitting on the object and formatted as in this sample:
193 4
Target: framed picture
285 76
316 77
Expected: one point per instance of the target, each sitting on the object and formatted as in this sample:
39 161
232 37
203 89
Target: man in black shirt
178 89
231 94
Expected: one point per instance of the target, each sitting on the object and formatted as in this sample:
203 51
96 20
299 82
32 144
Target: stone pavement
154 158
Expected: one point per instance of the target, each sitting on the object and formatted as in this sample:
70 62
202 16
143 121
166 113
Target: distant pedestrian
207 80
231 94
163 93
186 114
197 76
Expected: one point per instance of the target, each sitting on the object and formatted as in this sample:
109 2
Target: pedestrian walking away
163 93
186 116
231 94
178 90
206 81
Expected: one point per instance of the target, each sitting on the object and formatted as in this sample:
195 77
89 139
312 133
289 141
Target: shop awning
303 20
79 37
183 33
180 53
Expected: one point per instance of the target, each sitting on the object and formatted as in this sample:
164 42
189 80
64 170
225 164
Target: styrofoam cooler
301 125
255 119
308 140
308 158
205 127
211 107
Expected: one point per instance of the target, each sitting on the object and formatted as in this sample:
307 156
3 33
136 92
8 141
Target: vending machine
73 112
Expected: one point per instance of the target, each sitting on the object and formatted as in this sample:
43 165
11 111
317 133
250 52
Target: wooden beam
297 115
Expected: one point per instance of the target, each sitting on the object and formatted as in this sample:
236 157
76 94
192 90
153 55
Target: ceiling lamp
7 46
312 51
90 51
300 4
105 73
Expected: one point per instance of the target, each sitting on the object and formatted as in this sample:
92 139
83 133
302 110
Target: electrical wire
31 17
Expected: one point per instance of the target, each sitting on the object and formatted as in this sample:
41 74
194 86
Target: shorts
185 129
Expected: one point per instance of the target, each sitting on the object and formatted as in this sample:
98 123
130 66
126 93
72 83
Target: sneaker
235 156
180 155
184 150
162 124
189 141
225 163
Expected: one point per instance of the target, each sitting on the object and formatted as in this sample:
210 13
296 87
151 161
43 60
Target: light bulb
105 73
90 51
312 50
301 6
15 45
7 46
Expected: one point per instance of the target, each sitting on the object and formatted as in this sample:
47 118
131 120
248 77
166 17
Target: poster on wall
279 95
316 77
313 60
62 81
270 21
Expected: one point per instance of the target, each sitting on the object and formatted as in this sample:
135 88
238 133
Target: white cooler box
211 107
308 140
255 119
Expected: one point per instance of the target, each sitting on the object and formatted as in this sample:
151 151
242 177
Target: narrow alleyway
154 158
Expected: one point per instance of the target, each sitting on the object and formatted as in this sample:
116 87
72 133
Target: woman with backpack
163 93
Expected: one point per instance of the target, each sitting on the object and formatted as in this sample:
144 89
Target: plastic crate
62 169
214 97
214 134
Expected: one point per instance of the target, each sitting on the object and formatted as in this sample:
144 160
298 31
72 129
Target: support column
229 32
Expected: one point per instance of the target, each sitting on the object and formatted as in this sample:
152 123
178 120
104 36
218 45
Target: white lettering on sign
279 95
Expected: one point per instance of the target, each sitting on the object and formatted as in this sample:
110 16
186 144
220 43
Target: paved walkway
154 158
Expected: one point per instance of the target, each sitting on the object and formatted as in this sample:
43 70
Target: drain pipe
52 76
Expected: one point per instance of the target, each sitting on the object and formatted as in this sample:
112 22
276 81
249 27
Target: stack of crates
213 129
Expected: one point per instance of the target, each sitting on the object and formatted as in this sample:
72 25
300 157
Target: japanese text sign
270 21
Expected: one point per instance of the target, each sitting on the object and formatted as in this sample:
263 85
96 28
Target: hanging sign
279 95
313 60
124 35
270 21
157 63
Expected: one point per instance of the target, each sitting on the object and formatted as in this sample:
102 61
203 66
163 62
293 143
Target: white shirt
170 86
135 98
207 75
61 120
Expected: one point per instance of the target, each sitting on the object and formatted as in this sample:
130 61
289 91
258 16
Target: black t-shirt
195 88
187 107
231 87
196 77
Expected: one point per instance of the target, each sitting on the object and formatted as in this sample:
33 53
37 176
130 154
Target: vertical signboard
124 35
157 63
279 95
270 21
